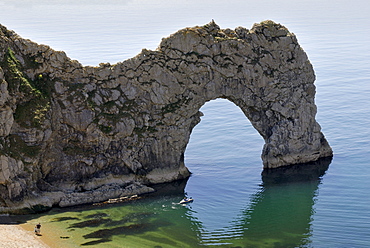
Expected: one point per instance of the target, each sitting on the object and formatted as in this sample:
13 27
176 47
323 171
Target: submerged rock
73 135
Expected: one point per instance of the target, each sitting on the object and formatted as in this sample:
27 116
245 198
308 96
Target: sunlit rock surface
71 134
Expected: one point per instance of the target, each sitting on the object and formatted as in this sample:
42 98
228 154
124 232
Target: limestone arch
263 71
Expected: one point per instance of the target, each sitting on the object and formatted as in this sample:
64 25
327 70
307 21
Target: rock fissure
72 134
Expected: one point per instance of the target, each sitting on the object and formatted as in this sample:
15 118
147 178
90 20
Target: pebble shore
12 235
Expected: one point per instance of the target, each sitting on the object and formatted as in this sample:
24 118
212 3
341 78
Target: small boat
186 200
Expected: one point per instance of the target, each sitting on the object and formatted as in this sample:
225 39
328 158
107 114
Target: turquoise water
234 205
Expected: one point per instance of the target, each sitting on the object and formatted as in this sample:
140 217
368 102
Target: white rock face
132 121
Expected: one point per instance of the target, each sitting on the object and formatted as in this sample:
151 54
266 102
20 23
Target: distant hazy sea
232 207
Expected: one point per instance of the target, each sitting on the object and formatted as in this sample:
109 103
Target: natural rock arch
263 71
130 122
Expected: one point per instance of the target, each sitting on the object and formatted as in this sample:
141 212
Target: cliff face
71 134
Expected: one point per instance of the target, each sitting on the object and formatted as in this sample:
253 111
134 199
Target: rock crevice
69 129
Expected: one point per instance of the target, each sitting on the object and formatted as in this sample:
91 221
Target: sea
235 204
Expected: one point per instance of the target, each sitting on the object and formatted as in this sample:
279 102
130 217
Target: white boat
186 200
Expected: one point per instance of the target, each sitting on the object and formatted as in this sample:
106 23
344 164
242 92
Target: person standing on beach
38 229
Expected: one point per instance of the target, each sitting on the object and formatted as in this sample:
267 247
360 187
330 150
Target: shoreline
17 231
13 235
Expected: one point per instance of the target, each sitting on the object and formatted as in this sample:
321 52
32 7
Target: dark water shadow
296 173
96 242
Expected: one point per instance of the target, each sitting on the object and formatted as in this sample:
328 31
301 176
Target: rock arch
131 122
263 71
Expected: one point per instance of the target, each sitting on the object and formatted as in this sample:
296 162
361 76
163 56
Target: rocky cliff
71 134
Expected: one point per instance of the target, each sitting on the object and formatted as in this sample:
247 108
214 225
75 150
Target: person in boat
187 199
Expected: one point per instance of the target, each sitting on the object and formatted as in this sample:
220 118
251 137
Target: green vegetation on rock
36 93
15 147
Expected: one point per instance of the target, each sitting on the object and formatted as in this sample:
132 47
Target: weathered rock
6 121
86 133
103 193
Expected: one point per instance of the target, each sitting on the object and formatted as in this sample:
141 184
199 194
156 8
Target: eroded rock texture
72 134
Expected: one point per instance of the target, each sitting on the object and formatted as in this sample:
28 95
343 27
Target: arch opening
224 135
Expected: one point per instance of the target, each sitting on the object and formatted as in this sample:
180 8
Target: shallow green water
144 223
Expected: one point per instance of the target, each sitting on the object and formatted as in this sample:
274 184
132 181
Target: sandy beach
14 236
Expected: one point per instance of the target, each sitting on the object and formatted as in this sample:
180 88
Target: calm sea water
233 206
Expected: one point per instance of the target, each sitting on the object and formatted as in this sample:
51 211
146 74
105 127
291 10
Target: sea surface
234 206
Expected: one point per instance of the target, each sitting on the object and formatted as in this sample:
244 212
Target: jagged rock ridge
72 134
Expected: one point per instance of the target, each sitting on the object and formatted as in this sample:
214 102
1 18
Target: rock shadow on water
312 171
132 229
94 220
89 223
58 219
96 242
